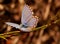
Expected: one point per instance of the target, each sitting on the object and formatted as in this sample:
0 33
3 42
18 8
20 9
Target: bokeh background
47 10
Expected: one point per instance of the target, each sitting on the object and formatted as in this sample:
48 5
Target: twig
7 33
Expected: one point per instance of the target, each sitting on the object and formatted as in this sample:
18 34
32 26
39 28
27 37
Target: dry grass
48 12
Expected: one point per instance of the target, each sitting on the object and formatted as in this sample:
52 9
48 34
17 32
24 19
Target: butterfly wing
33 21
13 24
26 14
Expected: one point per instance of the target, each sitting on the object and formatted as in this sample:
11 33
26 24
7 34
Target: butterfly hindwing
33 21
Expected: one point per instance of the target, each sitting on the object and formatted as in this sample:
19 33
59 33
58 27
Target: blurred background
47 10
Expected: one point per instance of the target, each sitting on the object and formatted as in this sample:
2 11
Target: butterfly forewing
26 14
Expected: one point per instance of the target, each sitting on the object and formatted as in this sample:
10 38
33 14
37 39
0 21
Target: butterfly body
21 26
25 26
28 21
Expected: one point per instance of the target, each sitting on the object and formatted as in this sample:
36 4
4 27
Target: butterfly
28 21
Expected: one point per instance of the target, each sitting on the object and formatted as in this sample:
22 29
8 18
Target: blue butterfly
28 21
